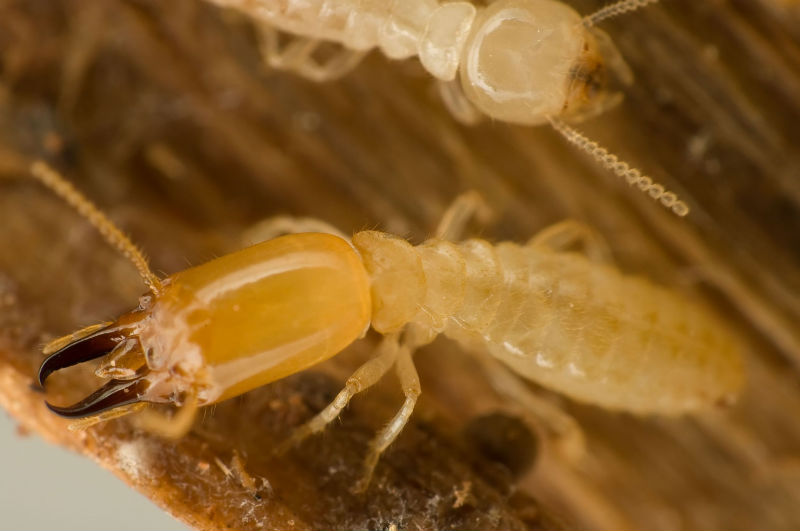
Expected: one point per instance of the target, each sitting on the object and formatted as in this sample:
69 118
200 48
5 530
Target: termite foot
362 484
283 447
298 435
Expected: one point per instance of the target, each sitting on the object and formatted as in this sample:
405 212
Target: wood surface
163 113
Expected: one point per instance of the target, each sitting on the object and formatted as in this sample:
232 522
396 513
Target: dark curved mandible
88 348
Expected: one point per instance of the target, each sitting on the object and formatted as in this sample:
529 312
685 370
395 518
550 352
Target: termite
529 62
566 320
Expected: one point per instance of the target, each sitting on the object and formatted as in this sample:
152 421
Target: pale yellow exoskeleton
568 321
529 62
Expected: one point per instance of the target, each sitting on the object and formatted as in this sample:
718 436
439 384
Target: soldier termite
568 321
529 62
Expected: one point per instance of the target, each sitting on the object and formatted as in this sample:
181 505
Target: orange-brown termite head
219 329
225 327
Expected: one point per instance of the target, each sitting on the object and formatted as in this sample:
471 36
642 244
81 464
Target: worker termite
568 321
528 62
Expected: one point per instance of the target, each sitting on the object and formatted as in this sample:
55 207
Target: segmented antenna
115 237
615 9
621 168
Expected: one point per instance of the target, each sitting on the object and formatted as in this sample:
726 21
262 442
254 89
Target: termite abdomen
576 326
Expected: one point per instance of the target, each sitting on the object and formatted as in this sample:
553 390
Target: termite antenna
615 9
621 168
115 237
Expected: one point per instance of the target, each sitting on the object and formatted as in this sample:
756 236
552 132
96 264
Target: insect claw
87 348
114 394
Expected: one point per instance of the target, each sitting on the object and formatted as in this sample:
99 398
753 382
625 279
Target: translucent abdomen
357 24
575 326
400 28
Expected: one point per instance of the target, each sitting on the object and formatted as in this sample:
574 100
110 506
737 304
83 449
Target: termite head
529 60
217 330
225 327
135 375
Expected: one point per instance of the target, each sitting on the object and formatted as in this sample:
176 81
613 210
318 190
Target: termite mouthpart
88 348
114 394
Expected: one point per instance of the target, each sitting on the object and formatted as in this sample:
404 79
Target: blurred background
46 487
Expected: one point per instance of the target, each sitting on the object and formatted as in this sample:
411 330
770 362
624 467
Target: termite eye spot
503 439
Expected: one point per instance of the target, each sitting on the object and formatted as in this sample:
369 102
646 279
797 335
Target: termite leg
567 233
409 380
457 103
298 56
115 413
286 57
280 225
169 426
335 67
461 210
364 377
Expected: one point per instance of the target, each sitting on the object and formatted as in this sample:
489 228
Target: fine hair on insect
568 321
528 62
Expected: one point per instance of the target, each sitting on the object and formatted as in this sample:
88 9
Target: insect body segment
235 323
519 60
267 311
528 62
400 28
572 325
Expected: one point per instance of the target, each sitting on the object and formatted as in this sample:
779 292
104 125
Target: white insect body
522 61
560 319
570 322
